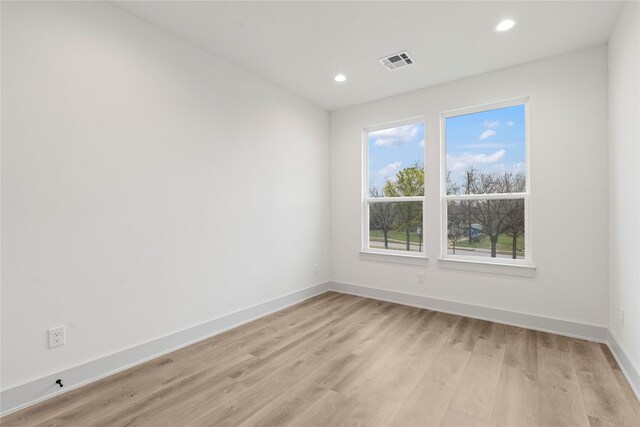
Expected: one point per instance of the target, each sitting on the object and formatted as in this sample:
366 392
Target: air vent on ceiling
398 60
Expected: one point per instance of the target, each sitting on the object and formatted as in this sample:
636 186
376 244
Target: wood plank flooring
342 360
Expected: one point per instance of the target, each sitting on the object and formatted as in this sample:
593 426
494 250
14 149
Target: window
393 190
485 184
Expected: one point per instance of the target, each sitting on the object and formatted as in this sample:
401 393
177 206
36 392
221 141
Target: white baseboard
561 327
35 391
530 321
629 370
30 393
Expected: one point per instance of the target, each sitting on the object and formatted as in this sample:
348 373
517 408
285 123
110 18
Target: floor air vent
397 60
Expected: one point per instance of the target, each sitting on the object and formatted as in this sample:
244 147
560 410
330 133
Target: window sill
418 260
519 270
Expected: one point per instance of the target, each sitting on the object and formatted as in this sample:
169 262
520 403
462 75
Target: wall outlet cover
56 337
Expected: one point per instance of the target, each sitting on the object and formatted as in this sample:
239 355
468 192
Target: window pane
486 228
486 152
396 166
396 226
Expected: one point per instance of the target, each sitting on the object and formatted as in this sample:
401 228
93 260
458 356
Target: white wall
147 186
568 116
624 181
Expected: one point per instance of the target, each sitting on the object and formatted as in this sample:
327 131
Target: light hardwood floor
341 360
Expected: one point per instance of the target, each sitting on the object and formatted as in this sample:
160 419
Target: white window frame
366 200
445 198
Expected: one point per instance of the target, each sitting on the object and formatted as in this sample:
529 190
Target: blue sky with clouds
391 150
489 141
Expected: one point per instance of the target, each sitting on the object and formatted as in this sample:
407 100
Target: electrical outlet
621 314
420 277
315 269
56 337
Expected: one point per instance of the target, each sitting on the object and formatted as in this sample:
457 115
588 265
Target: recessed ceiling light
340 78
505 24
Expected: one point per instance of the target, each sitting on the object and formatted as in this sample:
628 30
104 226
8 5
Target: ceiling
301 46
